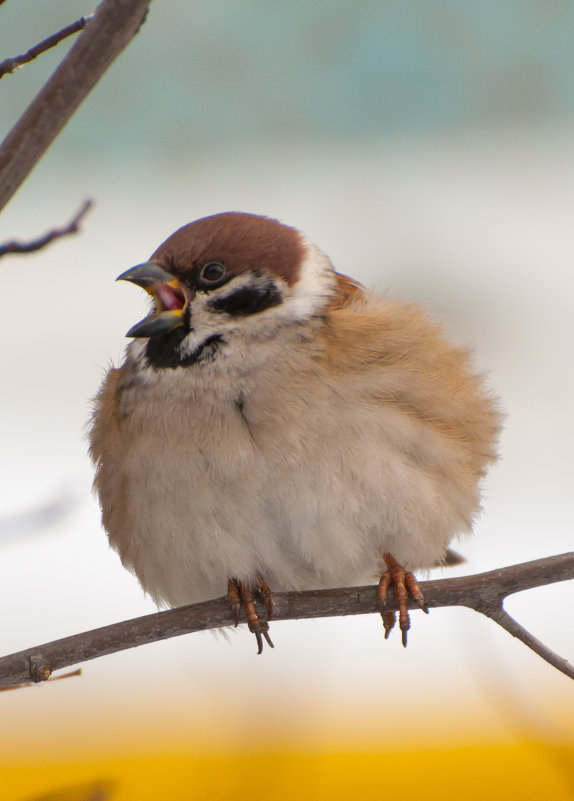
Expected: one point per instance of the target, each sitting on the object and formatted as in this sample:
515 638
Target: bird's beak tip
146 274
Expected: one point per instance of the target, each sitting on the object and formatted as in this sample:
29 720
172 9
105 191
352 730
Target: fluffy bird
274 426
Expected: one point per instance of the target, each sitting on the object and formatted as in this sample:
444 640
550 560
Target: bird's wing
347 292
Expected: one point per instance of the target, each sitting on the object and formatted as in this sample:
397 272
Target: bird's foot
404 583
240 592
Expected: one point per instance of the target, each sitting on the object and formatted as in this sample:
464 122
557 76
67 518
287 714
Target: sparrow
275 426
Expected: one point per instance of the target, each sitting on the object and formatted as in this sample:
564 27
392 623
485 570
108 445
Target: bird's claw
404 584
389 620
234 597
261 631
239 592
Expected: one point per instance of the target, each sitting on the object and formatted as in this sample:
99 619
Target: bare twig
114 24
510 625
27 247
483 593
70 675
10 65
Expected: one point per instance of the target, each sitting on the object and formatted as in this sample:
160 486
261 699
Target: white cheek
205 323
315 286
244 336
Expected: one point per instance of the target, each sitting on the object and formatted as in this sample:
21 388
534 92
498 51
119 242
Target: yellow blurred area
527 771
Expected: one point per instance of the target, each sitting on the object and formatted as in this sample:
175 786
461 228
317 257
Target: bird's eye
212 274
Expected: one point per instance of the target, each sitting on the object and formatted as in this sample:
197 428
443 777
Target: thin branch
10 65
56 233
510 625
113 26
483 592
77 672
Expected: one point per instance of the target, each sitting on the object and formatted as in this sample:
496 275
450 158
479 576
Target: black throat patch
163 351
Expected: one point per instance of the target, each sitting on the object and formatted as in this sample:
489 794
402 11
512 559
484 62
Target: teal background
217 76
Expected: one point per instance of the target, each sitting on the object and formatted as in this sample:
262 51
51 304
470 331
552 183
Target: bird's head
228 277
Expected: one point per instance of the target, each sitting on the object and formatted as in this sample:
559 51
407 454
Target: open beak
171 299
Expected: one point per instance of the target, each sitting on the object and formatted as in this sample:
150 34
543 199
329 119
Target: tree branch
114 24
484 593
510 625
10 65
56 233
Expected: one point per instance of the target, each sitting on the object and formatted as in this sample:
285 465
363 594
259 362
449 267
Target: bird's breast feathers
301 457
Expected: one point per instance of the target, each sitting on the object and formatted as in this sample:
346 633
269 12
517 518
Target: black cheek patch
249 300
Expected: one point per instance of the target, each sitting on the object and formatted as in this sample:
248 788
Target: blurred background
428 149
